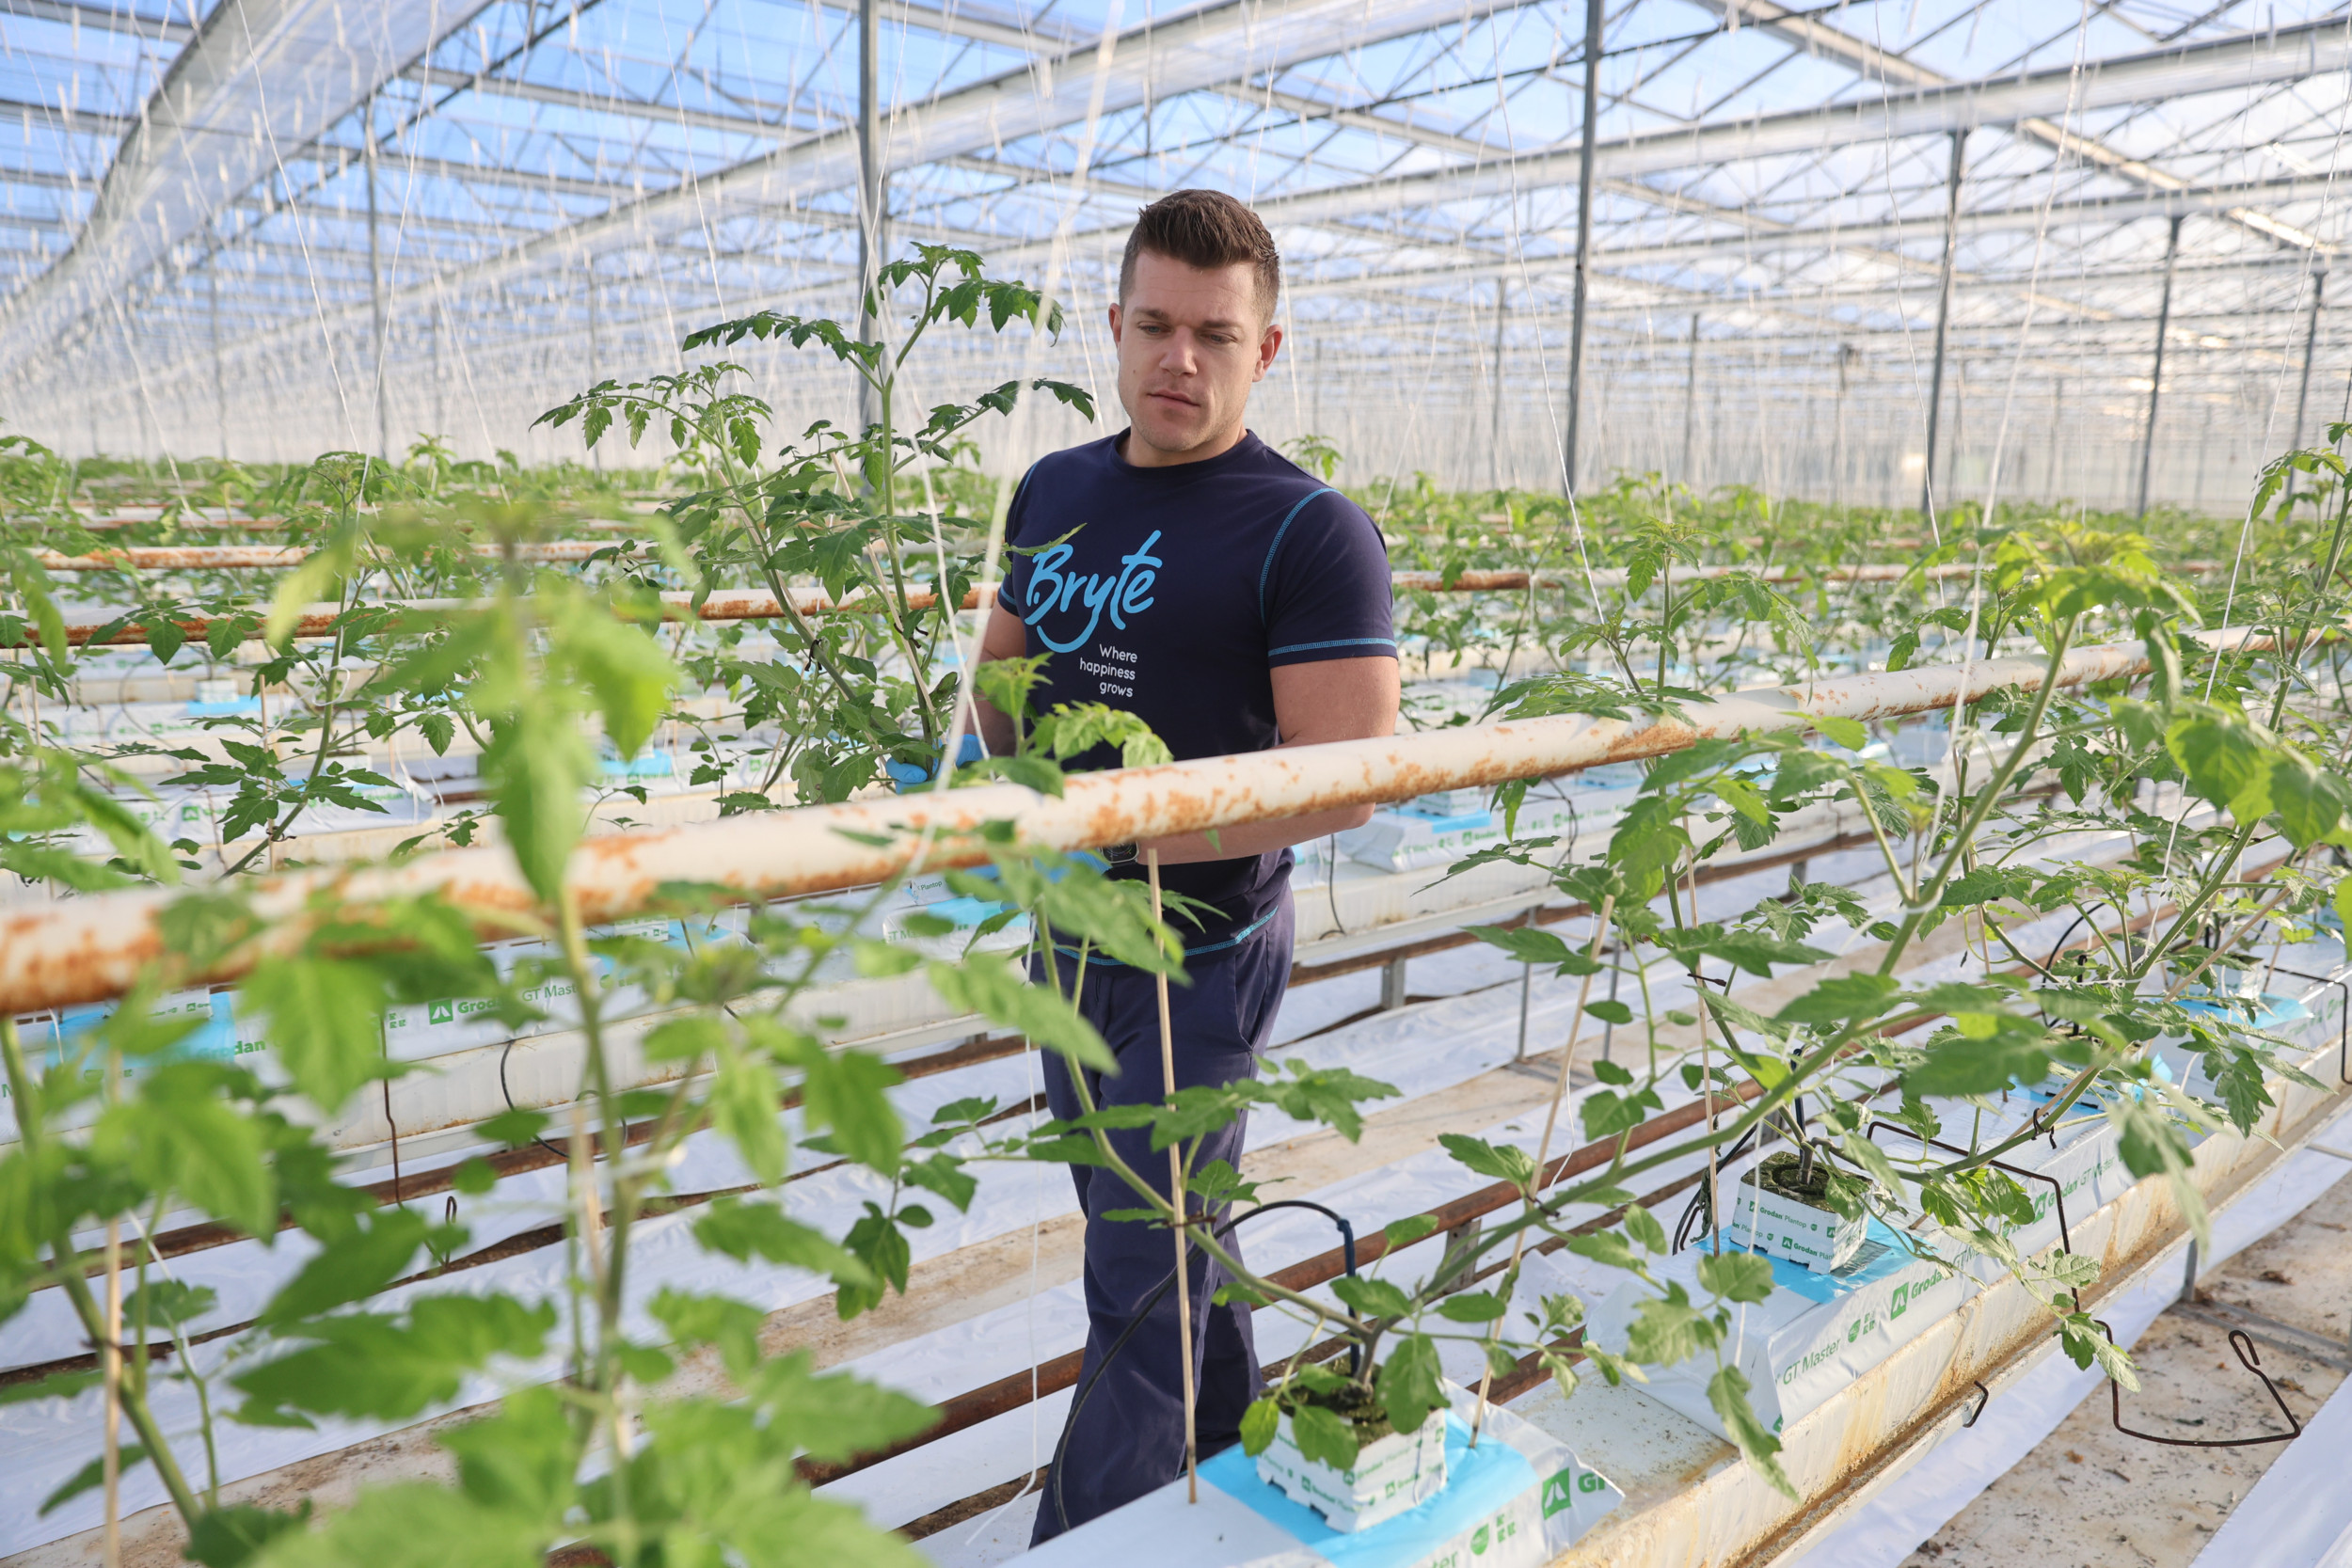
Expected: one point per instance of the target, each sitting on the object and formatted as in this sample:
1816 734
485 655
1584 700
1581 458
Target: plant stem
1986 801
1543 1147
71 1277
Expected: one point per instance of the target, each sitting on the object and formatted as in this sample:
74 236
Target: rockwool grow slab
1812 1337
1517 1501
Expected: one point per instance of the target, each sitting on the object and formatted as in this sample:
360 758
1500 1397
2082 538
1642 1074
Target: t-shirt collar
1234 456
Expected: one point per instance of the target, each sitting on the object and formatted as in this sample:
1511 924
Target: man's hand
1333 699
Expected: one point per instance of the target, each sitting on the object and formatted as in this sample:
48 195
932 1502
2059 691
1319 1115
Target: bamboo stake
1707 1076
110 1356
1543 1148
1184 1206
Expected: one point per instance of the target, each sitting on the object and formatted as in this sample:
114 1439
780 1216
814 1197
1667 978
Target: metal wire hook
1985 1398
2248 1358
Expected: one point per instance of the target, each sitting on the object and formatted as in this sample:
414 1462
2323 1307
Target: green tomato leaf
228 1536
1741 1277
1472 1307
519 1459
351 1267
1259 1424
1503 1161
1321 1434
1408 1385
1405 1232
179 1136
1841 998
627 670
743 1097
536 766
366 1365
1371 1298
92 1476
1848 733
1728 1393
325 1024
985 984
745 1230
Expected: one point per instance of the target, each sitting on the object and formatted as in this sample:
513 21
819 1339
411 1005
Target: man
1184 571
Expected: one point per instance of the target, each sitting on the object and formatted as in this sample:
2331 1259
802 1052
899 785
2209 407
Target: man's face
1190 345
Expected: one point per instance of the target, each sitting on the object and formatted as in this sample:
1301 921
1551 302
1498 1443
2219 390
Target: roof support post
871 242
1690 403
2058 424
1502 319
220 401
1942 323
1847 355
376 300
1593 20
2155 384
596 349
2303 386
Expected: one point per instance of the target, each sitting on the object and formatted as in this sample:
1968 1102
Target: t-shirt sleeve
1014 579
1324 590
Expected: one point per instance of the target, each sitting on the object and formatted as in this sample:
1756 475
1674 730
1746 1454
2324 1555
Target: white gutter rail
93 948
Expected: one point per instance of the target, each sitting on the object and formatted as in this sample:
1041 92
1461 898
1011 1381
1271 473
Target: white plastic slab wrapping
1517 1502
1812 1337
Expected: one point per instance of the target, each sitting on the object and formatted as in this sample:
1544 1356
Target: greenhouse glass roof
278 225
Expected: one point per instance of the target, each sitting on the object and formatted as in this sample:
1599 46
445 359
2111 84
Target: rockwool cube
1766 1220
1392 1474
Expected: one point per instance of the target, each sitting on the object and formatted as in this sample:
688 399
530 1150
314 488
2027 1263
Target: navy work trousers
1128 1438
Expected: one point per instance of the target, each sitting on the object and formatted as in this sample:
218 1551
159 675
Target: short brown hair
1210 231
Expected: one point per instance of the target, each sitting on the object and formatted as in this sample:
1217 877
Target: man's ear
1268 346
1115 324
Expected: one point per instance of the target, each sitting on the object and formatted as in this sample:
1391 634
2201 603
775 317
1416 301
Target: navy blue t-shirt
1172 592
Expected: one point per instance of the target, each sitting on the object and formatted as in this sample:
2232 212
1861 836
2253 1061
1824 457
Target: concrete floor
2089 1496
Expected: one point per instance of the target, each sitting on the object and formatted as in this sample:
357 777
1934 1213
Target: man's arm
1332 699
1005 638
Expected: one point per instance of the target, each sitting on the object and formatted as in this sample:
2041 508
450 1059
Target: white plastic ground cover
1912 1504
2300 1514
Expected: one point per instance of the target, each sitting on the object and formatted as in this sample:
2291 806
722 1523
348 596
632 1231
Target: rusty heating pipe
232 558
758 604
93 948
